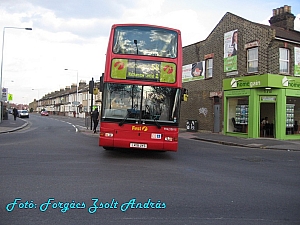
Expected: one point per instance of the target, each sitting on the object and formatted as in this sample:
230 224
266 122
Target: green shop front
265 105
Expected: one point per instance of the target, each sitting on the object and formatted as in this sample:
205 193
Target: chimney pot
282 17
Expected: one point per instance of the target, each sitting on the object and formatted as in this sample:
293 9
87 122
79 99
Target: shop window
284 60
292 115
209 68
252 60
237 120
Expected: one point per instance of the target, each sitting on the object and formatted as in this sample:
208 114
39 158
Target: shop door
216 118
267 120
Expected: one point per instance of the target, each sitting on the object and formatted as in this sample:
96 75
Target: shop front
265 106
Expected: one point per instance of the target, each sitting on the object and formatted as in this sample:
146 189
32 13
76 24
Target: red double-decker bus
141 89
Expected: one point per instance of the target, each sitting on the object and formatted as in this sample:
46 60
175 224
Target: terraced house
69 101
244 78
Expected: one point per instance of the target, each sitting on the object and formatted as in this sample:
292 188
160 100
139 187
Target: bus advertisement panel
141 93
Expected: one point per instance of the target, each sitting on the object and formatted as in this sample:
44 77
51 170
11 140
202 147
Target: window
252 60
151 104
284 57
238 114
292 115
147 41
209 68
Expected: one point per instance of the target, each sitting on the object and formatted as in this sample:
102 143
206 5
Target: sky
73 34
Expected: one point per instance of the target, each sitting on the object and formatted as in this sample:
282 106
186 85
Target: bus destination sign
143 70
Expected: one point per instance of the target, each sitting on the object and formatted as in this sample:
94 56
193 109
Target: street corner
14 125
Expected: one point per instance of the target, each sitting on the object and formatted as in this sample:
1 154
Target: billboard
230 51
192 72
297 62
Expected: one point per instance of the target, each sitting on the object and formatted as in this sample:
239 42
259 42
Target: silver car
23 113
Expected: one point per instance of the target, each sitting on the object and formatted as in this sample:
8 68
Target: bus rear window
146 41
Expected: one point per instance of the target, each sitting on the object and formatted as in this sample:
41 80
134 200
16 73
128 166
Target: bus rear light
170 139
103 134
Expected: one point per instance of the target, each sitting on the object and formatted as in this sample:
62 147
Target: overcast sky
73 34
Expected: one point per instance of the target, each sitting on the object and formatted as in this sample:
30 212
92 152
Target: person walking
15 113
95 117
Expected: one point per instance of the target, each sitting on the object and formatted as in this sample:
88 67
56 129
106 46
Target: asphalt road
51 174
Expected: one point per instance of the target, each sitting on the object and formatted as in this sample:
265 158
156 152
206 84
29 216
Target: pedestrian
15 113
95 117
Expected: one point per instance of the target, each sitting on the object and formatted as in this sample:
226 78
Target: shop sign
239 83
268 98
290 92
264 80
238 92
287 82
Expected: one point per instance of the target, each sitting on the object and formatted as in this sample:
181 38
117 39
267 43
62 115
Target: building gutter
286 40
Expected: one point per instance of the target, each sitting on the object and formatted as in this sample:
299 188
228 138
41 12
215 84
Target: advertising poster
192 72
297 62
230 51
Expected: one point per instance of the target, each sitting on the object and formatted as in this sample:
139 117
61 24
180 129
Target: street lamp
37 105
3 84
38 92
76 86
2 65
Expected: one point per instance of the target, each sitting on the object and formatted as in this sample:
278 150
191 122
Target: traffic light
184 94
95 91
101 83
91 86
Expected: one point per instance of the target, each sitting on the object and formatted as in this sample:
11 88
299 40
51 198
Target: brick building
243 72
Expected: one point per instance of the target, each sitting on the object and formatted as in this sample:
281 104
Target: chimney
82 83
282 17
73 87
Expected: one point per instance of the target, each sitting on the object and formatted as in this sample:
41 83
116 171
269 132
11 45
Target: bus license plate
136 145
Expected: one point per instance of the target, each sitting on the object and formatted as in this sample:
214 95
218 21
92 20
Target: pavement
11 125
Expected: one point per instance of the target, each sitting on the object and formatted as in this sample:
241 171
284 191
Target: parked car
23 113
44 113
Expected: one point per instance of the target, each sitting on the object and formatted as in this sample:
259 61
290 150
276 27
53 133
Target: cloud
157 12
297 23
74 34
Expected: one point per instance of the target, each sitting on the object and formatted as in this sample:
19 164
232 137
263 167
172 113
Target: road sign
10 97
4 94
75 103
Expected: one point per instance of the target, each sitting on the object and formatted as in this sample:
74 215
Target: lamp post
2 65
3 84
37 105
38 92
